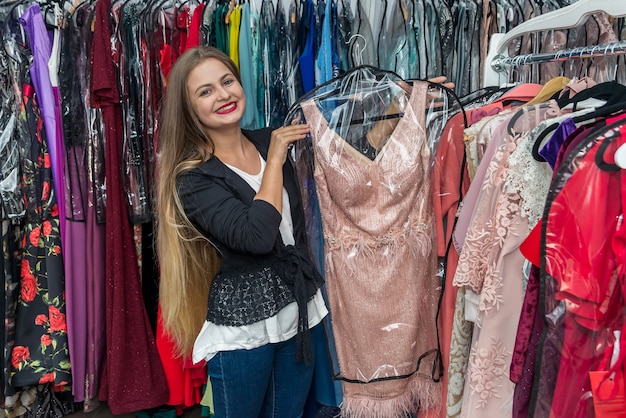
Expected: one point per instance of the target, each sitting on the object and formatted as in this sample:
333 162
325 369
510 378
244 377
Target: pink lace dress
491 266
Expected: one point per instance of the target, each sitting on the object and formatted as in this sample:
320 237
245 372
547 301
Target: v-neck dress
380 263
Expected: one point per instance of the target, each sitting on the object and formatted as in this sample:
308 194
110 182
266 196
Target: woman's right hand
281 139
272 184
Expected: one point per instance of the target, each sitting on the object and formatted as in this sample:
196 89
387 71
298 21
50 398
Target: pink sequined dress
380 263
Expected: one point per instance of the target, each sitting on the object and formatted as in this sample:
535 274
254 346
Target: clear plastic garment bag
365 177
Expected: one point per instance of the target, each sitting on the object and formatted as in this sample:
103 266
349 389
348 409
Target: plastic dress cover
365 177
136 150
13 135
393 53
582 278
83 127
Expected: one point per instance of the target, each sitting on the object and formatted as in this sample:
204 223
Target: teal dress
250 119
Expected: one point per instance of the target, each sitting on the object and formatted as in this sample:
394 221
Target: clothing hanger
354 85
481 94
610 91
231 7
364 79
358 83
552 87
615 96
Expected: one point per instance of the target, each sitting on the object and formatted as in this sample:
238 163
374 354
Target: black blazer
221 206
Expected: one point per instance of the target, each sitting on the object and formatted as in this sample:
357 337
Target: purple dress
34 25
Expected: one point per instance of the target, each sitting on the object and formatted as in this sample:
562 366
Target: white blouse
280 327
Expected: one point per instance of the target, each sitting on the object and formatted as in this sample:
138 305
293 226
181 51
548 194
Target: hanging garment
127 386
10 194
257 66
531 180
324 64
531 323
234 21
275 55
40 354
9 159
221 30
185 380
73 83
16 400
343 28
485 124
10 275
392 41
361 46
271 25
465 311
307 59
380 260
450 183
292 84
193 39
249 120
582 297
39 40
490 266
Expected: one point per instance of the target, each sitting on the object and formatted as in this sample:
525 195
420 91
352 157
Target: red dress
583 299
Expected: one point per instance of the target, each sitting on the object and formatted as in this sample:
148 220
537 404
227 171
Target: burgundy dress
133 377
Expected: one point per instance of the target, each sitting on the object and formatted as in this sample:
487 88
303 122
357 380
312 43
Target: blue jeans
265 382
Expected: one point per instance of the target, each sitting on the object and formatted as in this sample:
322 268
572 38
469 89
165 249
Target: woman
231 232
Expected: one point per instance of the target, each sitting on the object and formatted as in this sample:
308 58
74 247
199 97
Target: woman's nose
223 93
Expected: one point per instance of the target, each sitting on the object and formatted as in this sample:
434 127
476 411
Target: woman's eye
228 82
205 92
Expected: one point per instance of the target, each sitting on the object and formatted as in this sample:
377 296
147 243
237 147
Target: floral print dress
40 353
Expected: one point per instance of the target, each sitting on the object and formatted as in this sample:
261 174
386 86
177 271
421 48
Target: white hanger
567 17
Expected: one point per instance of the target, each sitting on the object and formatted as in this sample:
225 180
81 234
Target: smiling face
216 95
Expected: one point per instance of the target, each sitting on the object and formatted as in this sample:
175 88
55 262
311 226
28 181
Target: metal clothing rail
501 62
570 16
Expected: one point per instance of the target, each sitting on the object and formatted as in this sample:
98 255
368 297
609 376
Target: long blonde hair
187 260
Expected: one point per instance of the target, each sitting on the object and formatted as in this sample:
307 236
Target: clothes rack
497 61
500 63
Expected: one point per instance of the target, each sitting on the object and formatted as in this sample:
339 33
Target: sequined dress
380 263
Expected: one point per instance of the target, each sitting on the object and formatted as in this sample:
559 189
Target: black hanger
480 94
378 75
615 96
611 91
